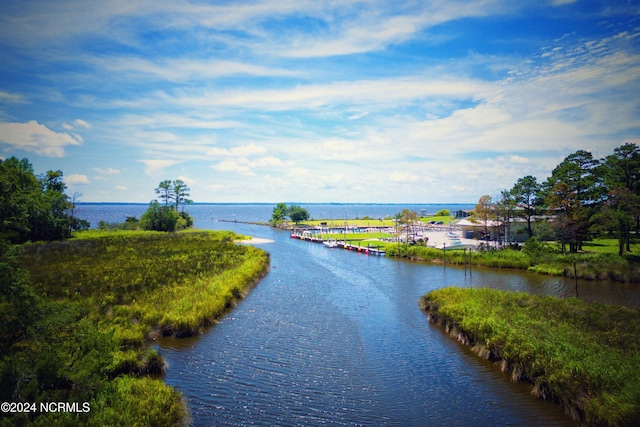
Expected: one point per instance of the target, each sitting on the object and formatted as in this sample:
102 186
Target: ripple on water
337 338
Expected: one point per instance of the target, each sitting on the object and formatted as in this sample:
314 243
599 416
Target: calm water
331 337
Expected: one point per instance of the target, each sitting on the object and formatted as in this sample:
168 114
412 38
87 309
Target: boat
330 243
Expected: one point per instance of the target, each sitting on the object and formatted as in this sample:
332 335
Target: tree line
35 207
583 197
295 213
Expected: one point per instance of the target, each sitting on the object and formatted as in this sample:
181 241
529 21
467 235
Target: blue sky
315 101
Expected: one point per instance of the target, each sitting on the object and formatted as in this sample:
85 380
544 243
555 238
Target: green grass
375 222
103 297
545 259
584 355
355 236
496 259
608 246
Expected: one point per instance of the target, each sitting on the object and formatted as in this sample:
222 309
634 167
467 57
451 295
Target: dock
342 244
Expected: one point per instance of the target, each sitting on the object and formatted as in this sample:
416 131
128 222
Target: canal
332 337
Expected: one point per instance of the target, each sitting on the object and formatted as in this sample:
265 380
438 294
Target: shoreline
564 349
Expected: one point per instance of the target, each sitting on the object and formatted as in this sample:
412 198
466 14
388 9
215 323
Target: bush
160 218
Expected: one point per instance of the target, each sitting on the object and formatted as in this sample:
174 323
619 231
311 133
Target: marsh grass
582 355
588 265
496 259
108 294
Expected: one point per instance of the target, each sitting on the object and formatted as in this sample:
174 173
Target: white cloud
81 123
358 116
180 70
562 2
187 180
233 166
121 188
107 171
76 179
380 93
155 167
36 138
241 151
403 177
12 98
245 166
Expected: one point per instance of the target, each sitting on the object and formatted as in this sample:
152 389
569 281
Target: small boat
330 243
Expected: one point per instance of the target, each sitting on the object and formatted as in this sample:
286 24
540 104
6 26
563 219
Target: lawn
371 222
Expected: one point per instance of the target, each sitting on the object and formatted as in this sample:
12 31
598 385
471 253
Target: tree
166 191
572 193
181 194
406 218
32 208
504 212
571 216
279 213
19 195
297 213
159 218
483 212
525 193
618 214
76 223
621 173
166 217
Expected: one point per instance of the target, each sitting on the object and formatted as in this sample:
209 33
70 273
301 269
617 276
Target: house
462 213
517 229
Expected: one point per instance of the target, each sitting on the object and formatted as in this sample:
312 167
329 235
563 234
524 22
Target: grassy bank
497 259
542 259
581 355
100 299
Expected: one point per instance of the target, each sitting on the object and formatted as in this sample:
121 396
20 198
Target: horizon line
288 203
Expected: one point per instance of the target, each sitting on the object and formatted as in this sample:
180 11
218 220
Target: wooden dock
341 244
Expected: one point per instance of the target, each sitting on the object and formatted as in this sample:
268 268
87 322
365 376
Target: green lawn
372 222
608 246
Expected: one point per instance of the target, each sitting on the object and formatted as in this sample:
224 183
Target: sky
370 101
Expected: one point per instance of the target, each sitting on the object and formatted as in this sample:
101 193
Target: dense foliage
34 208
167 216
294 212
583 354
79 332
584 197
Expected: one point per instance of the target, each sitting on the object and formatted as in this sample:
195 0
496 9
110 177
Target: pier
341 244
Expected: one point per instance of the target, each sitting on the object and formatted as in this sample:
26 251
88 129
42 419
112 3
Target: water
331 337
205 214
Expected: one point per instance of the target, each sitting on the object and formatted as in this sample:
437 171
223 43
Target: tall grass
104 296
583 355
589 266
497 259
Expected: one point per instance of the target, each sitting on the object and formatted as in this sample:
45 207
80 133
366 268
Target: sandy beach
254 241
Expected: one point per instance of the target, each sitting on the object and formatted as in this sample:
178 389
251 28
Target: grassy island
97 301
584 356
